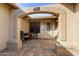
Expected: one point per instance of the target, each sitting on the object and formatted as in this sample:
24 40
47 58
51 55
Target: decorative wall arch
35 12
56 11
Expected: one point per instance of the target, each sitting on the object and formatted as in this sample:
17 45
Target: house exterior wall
9 27
76 27
4 25
69 44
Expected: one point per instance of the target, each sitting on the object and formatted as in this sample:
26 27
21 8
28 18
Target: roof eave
14 5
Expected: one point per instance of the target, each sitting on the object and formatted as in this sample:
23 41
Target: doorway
34 29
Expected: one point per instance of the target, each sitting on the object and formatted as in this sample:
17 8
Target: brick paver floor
37 47
40 47
34 47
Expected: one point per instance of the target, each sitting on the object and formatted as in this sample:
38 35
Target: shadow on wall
60 49
70 6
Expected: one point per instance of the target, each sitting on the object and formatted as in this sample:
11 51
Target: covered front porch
39 27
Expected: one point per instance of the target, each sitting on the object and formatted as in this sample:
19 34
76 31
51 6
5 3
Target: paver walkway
38 47
35 47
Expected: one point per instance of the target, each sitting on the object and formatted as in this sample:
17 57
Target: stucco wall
76 27
4 25
72 19
9 26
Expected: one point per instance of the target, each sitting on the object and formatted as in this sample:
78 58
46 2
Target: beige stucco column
53 28
19 42
62 26
14 42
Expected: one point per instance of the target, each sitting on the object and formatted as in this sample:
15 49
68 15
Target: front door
35 29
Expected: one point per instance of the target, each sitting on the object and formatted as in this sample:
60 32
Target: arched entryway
42 23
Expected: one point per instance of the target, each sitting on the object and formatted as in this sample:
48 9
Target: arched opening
41 25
